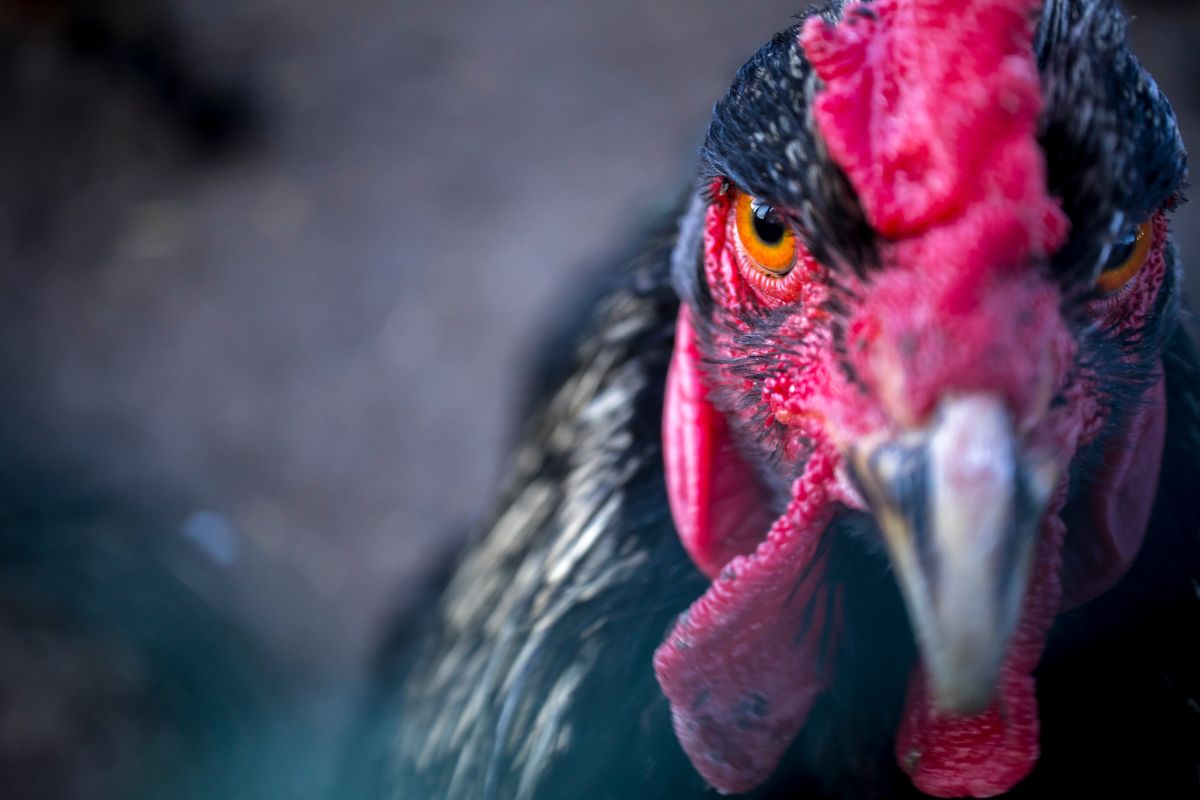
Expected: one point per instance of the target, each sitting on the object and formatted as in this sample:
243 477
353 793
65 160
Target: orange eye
765 238
1126 259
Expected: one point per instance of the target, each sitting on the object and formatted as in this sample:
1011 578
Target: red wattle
989 753
743 665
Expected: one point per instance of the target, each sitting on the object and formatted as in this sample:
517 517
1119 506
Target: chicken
873 475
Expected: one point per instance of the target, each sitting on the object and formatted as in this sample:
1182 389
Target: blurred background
279 268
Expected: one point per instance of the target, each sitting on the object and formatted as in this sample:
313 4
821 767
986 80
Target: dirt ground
317 332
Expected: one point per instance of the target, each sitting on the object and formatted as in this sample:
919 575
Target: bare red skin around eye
769 290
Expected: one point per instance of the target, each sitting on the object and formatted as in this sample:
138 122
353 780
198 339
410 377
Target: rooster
874 474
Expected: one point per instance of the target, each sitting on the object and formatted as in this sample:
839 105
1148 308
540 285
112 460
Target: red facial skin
960 303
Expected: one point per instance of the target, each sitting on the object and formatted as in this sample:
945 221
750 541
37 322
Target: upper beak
959 505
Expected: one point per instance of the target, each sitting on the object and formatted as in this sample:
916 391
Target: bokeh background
288 262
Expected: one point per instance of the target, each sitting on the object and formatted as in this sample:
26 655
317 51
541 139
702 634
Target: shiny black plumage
531 677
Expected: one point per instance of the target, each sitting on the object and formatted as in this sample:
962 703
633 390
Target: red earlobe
1105 537
719 507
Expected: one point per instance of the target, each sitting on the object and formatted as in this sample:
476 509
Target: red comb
931 108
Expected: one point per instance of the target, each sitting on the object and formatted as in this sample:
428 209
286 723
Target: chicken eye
765 239
1126 259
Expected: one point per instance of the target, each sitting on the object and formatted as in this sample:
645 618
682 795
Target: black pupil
1121 252
768 229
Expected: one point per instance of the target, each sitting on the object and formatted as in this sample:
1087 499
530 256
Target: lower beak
959 505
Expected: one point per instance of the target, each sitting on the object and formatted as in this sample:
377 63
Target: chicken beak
959 505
